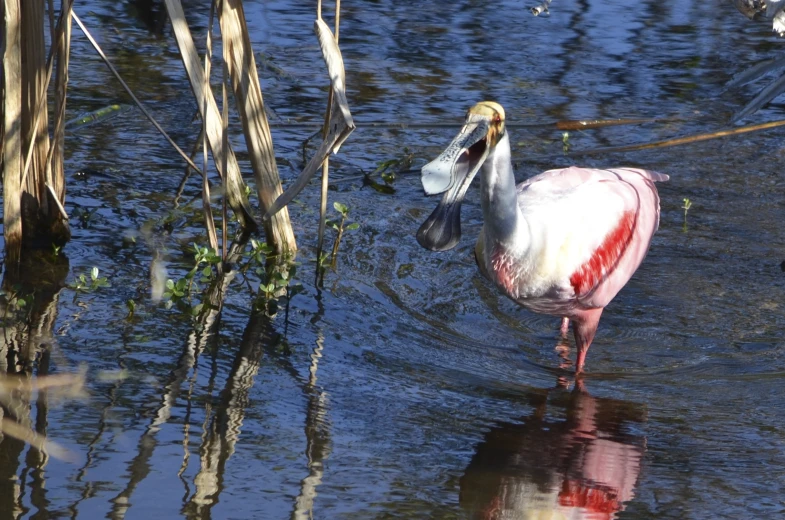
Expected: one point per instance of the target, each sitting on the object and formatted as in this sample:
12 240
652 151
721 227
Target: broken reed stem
225 137
147 114
249 102
326 163
208 213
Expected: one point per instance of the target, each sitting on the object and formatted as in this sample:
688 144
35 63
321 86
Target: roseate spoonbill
563 242
573 458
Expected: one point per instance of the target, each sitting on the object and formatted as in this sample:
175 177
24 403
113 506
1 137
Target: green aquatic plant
84 216
276 277
686 207
18 304
388 171
340 227
206 260
131 305
89 283
565 142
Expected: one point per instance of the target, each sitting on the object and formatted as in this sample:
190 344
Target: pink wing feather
623 247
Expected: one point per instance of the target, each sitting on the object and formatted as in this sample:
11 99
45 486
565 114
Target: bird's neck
501 215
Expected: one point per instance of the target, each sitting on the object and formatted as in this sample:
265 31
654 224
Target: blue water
406 387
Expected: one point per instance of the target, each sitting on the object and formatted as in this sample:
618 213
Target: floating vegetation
100 115
388 171
85 284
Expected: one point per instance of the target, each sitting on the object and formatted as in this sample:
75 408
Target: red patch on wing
601 501
605 257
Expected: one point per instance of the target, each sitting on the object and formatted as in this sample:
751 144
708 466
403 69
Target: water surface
406 387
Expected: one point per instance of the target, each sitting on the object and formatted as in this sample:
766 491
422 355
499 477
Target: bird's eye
497 118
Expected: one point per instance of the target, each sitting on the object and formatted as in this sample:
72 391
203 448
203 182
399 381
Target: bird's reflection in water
576 457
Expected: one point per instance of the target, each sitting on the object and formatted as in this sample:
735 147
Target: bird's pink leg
584 328
565 327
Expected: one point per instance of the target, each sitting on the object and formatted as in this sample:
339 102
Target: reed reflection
577 456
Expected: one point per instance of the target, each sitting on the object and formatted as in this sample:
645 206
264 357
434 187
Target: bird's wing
594 226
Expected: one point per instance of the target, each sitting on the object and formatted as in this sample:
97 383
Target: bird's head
452 172
494 113
481 132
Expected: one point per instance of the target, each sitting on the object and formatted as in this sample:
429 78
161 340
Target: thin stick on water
682 140
187 173
147 114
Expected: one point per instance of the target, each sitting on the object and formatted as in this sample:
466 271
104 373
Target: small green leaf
94 273
340 208
353 226
170 284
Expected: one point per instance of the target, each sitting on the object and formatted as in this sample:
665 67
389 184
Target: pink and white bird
563 242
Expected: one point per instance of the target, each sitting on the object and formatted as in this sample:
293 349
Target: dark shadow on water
25 349
576 456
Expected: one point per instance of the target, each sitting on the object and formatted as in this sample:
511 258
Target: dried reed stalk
208 109
325 132
12 136
208 212
35 121
241 65
341 122
56 179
